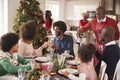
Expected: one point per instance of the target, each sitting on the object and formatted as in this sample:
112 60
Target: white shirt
110 43
101 20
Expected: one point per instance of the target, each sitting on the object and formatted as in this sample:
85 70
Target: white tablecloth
9 77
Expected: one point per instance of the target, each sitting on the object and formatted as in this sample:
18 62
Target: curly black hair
61 25
86 52
8 40
28 30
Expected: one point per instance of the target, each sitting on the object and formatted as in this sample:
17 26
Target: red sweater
97 27
109 22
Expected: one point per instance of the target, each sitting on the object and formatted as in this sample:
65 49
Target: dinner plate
72 71
73 62
42 59
29 57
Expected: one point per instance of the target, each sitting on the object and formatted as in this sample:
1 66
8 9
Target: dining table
57 75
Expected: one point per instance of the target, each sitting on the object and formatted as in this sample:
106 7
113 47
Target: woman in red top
48 21
83 21
88 35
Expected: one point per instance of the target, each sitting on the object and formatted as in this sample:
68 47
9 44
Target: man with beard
62 42
96 25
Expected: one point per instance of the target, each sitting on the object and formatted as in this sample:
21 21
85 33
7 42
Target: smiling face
100 13
58 32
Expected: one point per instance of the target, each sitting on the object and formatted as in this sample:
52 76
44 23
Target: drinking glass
50 57
32 63
47 66
21 73
45 77
67 53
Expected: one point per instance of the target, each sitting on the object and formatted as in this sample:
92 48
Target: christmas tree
30 10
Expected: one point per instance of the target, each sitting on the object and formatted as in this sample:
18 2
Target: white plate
42 59
73 62
72 71
29 57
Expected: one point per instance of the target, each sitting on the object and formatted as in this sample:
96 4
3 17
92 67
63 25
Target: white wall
12 6
62 9
73 16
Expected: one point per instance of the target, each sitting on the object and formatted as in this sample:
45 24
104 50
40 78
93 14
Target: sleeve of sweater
12 68
22 60
39 50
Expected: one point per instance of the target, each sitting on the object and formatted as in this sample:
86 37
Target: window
3 16
53 6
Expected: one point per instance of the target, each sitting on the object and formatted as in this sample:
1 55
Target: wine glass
50 57
21 73
67 53
47 66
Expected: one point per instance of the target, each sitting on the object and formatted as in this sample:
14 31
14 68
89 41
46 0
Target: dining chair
117 72
105 77
102 70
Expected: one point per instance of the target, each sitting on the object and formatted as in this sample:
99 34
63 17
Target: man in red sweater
96 25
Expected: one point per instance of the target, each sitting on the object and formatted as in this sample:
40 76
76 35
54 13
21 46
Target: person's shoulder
109 19
67 36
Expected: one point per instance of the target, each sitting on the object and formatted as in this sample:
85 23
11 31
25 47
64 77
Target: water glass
32 63
47 66
67 52
21 73
45 77
50 57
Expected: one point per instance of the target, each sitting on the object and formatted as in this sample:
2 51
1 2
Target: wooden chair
102 70
105 77
117 72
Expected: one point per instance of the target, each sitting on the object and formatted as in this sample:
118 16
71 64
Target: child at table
9 59
86 68
28 33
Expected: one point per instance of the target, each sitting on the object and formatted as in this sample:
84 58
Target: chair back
117 72
105 77
102 70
